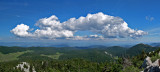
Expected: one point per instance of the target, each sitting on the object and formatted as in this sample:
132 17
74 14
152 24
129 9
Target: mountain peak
142 45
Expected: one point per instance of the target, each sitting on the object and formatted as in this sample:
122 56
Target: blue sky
139 15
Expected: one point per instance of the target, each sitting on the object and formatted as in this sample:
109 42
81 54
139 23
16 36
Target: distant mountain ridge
71 52
155 44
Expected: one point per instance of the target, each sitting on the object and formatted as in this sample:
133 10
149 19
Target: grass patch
55 56
11 56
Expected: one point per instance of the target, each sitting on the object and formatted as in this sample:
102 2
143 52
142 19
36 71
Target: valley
62 59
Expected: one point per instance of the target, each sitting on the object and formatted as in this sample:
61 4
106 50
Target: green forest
76 59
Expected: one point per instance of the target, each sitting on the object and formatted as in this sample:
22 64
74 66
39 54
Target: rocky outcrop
108 54
149 66
126 62
24 66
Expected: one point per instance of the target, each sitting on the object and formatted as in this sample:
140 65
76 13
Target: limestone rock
149 66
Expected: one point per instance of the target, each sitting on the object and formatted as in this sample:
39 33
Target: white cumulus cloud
21 30
105 25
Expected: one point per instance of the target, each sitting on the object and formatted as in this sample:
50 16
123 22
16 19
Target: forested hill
73 59
137 49
97 54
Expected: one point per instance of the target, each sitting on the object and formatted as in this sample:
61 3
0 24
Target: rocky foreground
150 66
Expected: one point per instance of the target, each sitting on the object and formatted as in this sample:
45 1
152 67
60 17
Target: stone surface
149 66
21 66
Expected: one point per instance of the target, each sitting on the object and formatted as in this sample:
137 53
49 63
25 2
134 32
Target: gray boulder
149 66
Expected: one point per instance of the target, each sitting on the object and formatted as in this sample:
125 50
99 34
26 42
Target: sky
80 22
